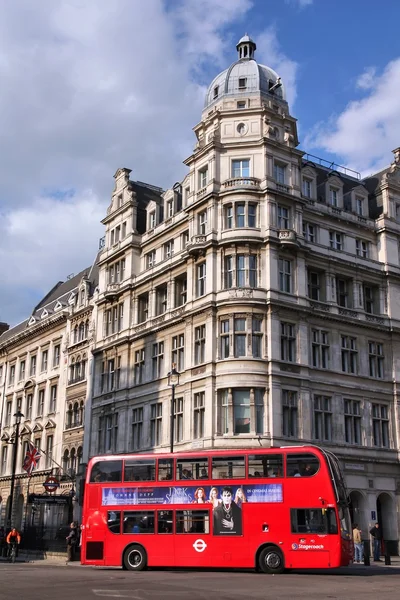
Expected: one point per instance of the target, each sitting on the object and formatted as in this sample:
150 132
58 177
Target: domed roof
245 38
244 77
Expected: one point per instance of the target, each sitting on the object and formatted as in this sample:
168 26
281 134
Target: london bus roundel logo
199 545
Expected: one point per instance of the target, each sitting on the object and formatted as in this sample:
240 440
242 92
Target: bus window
313 520
345 523
114 521
265 465
191 468
106 470
165 521
192 521
226 467
139 521
165 469
140 470
301 465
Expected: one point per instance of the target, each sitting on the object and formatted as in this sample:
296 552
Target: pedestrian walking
376 533
358 545
71 543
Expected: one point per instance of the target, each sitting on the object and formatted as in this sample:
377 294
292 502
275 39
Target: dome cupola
246 47
245 77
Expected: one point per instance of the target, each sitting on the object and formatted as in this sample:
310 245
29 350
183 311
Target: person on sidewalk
71 543
377 536
358 545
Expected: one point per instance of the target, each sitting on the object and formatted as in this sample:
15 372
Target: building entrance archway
387 519
359 512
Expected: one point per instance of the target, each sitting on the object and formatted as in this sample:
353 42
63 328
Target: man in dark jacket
376 533
72 539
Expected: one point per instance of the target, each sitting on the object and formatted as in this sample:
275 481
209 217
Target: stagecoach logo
307 547
199 545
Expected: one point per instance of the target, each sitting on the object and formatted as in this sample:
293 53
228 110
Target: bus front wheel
135 558
271 560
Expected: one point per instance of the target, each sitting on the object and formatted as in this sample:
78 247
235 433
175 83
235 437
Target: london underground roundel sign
51 484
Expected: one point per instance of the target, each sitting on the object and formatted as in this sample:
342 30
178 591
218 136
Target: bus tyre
271 560
135 558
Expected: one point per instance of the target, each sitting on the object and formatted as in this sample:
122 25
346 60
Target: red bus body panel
262 523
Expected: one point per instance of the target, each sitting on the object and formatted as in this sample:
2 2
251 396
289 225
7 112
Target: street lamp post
18 416
173 381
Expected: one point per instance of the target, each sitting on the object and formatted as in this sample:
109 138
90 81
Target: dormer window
170 209
242 83
333 197
307 188
152 219
216 91
359 206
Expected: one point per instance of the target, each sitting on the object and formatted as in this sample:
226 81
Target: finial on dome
246 48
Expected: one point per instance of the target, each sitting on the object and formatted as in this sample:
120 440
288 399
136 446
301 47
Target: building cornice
33 331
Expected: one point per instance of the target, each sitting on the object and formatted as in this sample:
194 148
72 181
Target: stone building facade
271 280
43 375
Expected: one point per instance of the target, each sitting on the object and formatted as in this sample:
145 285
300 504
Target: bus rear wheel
135 558
271 560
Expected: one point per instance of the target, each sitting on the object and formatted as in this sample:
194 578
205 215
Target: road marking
115 594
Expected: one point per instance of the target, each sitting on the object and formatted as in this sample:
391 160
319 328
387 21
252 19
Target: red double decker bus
267 509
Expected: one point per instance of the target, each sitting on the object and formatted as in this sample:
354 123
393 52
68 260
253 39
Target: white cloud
89 86
300 3
367 129
270 54
366 80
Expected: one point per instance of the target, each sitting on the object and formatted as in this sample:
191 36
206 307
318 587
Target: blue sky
89 86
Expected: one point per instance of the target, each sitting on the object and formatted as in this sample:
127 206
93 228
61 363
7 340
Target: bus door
309 542
95 526
163 552
193 536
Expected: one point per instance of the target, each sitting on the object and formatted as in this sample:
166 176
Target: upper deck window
265 465
192 468
228 467
165 469
302 465
106 470
140 470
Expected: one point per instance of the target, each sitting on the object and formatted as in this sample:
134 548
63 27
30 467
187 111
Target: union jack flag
31 459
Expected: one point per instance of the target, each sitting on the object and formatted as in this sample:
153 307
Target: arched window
87 329
79 457
78 368
72 462
81 412
75 334
72 371
69 417
65 460
81 331
76 415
